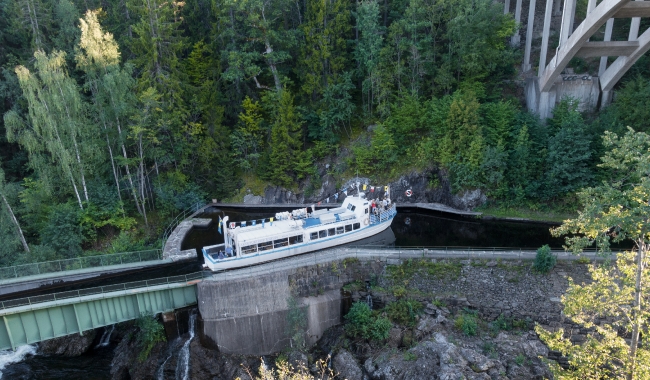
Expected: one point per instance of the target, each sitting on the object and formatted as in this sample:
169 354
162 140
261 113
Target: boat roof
284 228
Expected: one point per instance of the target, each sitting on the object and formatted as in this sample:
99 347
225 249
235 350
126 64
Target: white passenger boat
300 231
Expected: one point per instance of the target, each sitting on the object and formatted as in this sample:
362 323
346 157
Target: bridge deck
27 321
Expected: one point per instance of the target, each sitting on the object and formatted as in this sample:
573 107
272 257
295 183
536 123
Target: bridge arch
545 89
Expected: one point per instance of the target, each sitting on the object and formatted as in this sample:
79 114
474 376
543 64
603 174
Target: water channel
410 228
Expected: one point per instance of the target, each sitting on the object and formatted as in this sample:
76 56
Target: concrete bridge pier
253 315
554 81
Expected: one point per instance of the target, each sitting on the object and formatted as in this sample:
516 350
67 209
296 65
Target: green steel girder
50 320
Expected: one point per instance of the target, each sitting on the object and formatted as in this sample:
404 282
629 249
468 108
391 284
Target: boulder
346 366
69 345
477 362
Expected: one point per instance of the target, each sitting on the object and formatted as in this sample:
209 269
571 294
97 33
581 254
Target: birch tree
615 211
56 121
11 212
143 133
111 87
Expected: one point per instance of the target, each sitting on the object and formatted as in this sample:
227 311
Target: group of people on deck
377 204
225 254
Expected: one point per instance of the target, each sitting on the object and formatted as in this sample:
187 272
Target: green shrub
150 332
544 260
467 323
410 356
362 322
404 312
490 350
399 291
520 359
380 329
501 323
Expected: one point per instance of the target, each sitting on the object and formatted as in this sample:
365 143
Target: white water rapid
183 364
106 337
9 356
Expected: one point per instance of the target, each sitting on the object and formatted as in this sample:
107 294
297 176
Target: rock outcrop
70 346
430 186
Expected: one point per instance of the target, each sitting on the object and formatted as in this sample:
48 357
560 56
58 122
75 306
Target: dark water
420 229
95 365
408 229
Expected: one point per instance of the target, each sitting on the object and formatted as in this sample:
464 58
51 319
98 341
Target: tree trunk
13 217
636 311
66 168
274 69
117 181
142 181
76 147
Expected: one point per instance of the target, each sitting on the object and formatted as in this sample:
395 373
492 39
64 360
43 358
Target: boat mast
224 226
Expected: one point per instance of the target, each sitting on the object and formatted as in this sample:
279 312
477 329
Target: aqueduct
545 89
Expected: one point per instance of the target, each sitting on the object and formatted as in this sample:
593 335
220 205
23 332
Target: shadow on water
410 228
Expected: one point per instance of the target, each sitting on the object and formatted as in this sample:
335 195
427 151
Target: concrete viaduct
547 86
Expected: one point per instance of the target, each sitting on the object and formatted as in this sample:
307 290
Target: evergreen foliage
544 259
363 323
137 109
150 332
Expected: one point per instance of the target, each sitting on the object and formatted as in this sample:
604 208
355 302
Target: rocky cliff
425 187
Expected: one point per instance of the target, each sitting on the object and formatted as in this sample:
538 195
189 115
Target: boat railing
383 215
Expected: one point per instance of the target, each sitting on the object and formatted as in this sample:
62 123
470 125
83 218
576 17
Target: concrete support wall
250 315
586 91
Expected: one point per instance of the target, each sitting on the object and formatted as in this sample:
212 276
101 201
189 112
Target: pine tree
367 52
286 144
324 52
266 40
248 138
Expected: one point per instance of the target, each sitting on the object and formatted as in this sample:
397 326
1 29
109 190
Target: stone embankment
172 249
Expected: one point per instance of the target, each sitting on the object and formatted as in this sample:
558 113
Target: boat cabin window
322 233
313 236
366 210
248 249
295 239
265 246
331 232
339 230
348 228
351 207
280 243
356 226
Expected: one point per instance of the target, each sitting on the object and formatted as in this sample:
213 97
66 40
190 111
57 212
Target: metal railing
35 269
100 290
388 253
179 218
384 215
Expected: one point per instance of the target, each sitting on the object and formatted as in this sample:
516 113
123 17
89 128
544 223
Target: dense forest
117 114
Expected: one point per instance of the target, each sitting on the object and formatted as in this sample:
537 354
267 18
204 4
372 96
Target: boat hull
298 249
